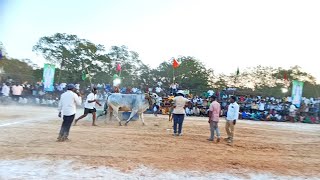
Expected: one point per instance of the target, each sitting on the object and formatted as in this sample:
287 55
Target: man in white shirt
89 107
158 89
5 90
67 107
174 88
77 86
232 117
178 112
262 105
292 112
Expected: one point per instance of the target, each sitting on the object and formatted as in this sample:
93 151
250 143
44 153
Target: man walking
178 112
214 113
232 117
67 107
89 107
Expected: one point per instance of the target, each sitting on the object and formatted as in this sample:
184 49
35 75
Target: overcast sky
222 34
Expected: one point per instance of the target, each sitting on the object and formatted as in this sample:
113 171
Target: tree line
73 56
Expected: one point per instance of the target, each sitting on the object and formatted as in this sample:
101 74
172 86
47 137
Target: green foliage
132 67
38 75
2 49
191 75
72 55
268 81
17 70
311 90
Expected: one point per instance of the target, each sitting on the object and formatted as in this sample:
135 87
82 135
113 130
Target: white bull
136 103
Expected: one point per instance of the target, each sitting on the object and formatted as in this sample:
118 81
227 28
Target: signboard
297 87
48 77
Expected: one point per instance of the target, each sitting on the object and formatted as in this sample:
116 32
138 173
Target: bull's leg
133 112
110 115
110 112
116 113
142 118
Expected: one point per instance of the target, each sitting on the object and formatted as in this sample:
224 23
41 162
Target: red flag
118 67
175 64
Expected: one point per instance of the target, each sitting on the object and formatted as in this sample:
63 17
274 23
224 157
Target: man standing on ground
17 90
178 112
89 107
232 117
67 107
214 114
5 90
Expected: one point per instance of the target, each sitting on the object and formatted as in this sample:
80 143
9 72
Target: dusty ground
277 148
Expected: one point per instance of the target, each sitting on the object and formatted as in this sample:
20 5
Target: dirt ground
278 148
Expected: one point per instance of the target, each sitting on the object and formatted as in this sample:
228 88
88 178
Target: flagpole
173 78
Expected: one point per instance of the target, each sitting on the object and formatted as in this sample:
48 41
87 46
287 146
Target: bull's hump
129 99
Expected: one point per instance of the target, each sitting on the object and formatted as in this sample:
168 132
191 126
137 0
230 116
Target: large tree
191 74
131 65
72 54
16 70
268 81
2 49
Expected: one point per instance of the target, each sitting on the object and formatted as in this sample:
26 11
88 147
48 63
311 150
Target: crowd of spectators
260 108
256 108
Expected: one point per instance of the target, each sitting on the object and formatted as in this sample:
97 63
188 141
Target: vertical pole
173 77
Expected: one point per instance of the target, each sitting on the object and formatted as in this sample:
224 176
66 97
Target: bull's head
151 97
154 96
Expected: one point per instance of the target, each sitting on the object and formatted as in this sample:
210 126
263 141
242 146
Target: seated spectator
203 112
196 110
278 117
292 112
189 111
254 107
245 115
263 116
255 116
252 116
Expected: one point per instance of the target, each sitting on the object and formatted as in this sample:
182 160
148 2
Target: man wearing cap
178 112
232 117
67 108
214 114
89 107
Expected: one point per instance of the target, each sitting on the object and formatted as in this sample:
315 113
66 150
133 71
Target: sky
223 35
